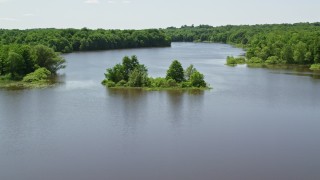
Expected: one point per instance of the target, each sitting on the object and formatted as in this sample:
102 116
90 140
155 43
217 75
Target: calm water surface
256 123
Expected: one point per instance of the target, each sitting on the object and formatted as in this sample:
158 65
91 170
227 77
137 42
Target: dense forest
274 44
69 40
24 51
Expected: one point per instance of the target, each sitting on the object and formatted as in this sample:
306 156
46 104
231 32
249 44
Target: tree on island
138 76
175 72
189 71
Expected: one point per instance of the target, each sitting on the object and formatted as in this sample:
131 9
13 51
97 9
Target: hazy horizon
143 14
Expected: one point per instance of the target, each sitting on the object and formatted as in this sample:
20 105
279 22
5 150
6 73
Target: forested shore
271 43
70 40
23 52
33 56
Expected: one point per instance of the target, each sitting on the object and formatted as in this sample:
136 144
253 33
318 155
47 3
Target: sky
143 14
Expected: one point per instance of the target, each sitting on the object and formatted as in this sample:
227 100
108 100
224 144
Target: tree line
24 51
70 40
274 44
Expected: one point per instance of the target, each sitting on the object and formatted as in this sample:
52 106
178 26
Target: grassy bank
163 88
315 67
9 84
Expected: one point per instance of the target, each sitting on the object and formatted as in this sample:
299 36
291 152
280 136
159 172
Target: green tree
17 65
138 77
197 79
115 74
287 54
129 64
47 58
175 72
300 51
188 72
316 51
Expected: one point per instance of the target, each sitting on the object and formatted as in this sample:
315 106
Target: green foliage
189 71
299 54
186 84
116 73
16 65
111 84
158 82
16 60
129 73
108 83
274 60
171 83
255 60
197 80
292 43
40 74
129 65
232 61
69 40
315 67
138 76
175 72
122 83
240 60
47 58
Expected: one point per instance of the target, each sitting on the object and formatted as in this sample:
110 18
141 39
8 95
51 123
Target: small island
131 74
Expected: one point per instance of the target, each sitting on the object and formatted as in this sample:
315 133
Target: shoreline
18 85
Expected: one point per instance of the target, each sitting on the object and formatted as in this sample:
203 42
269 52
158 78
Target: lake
256 123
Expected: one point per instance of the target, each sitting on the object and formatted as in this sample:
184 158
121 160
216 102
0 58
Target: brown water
256 123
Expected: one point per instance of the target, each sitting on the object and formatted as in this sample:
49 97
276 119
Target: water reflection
175 104
184 107
126 93
296 70
130 106
254 120
135 107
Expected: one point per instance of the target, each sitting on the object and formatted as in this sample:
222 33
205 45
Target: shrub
40 74
122 83
274 60
171 83
240 60
186 84
234 61
104 82
255 60
158 82
315 67
231 61
110 84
